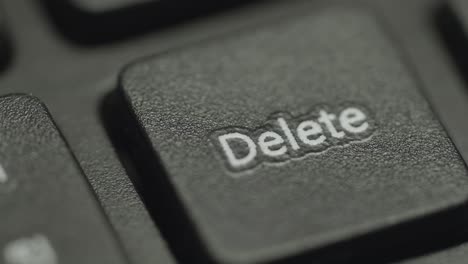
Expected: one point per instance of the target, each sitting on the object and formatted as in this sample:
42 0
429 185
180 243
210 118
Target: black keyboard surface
233 131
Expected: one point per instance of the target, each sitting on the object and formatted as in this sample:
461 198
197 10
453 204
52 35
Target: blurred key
48 212
94 21
308 137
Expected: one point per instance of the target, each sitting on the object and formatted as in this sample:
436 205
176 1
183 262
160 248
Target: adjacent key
308 137
94 21
48 212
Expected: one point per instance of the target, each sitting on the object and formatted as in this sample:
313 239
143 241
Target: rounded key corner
27 101
128 69
22 96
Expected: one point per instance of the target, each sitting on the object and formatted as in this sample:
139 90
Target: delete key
287 140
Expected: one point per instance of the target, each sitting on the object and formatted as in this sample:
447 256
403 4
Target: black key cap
49 214
94 21
306 136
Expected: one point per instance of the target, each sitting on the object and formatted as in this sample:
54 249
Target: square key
295 137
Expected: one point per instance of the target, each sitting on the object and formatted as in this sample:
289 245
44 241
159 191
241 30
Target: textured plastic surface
44 196
407 169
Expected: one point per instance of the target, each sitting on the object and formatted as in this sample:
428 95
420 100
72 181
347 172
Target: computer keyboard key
49 214
92 22
308 137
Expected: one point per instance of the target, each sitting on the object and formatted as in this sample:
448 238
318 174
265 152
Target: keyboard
233 131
